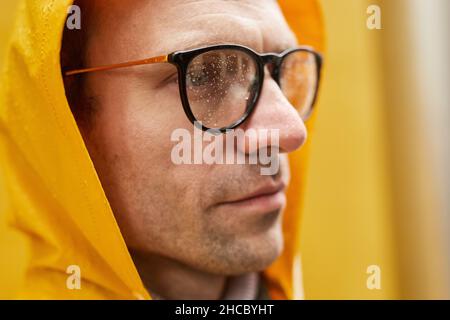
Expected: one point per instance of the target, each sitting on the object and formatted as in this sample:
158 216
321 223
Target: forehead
143 28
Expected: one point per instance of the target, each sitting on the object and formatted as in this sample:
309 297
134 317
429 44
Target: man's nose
274 111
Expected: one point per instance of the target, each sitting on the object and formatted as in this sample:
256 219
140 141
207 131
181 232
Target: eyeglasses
220 85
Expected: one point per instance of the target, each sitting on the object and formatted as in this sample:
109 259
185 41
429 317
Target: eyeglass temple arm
159 59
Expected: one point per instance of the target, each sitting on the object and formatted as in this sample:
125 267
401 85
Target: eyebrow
276 48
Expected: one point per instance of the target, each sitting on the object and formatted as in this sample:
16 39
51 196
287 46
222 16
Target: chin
265 251
252 254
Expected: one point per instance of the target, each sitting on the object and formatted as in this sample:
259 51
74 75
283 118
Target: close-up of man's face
224 150
223 219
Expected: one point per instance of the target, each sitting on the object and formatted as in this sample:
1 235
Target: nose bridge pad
271 68
271 63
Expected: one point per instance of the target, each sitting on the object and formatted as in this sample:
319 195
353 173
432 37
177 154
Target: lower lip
260 204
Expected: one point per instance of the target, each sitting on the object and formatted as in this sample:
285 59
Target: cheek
137 121
131 149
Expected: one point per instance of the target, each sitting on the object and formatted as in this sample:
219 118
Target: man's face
195 214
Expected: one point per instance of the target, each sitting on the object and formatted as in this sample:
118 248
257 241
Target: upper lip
266 190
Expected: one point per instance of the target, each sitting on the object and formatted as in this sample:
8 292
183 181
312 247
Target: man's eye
205 74
198 78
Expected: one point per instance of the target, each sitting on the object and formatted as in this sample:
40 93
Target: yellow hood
51 190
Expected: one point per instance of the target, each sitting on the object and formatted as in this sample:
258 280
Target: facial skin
177 220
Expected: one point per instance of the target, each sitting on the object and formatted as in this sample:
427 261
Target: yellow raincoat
51 192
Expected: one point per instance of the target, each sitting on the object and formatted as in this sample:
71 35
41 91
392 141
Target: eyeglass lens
220 84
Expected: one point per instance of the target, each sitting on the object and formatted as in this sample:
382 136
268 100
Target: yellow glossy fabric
49 188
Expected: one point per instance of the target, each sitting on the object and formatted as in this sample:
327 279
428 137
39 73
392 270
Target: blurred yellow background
379 181
347 218
378 185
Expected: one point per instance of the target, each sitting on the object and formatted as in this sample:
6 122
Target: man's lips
267 198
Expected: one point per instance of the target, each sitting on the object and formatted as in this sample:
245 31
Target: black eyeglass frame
182 59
